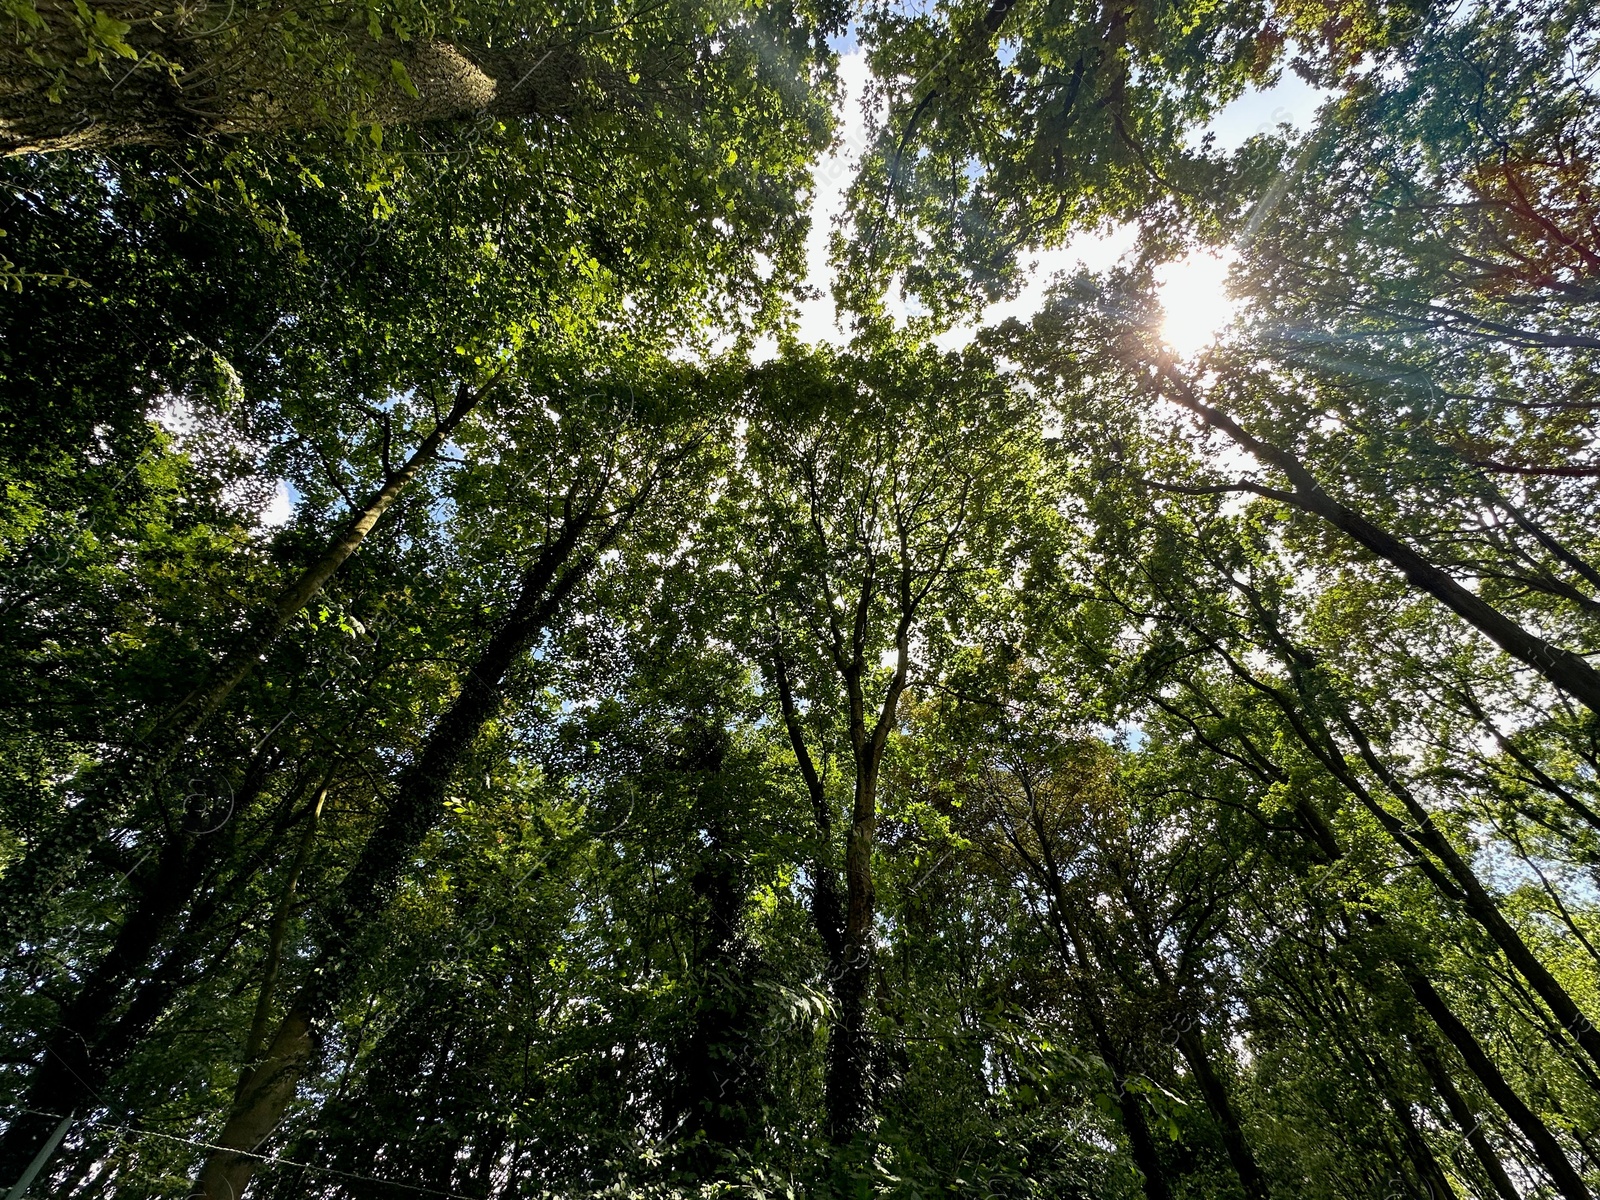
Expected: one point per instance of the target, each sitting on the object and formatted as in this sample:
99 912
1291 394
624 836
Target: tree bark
1191 1045
1076 958
255 1042
851 942
1547 1149
1141 1142
1423 1160
90 1039
1457 879
208 72
1549 1152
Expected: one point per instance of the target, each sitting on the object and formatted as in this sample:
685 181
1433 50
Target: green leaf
403 78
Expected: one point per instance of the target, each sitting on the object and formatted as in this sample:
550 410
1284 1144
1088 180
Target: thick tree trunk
1568 671
215 71
849 1082
714 1100
26 888
266 1089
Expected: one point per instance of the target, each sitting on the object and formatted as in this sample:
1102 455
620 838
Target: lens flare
1195 302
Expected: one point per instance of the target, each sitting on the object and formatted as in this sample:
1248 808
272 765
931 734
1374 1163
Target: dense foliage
487 711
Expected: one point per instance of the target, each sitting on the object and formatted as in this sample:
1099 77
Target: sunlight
1194 297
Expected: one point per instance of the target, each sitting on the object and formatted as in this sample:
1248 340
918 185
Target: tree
882 494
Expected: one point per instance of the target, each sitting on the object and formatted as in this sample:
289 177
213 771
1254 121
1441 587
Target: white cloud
279 509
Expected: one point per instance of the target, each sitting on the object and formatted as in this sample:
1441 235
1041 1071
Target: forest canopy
498 700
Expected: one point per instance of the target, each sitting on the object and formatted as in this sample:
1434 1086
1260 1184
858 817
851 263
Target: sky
1291 101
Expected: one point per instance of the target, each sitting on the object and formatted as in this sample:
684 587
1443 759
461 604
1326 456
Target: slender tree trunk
1461 1113
113 788
255 1042
1457 880
849 1083
1568 671
827 908
1545 1147
851 941
1141 1142
89 1041
1423 1160
266 1089
845 1092
1482 906
1191 1044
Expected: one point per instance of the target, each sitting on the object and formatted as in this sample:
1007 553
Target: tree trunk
1075 957
266 1090
85 1050
1461 1112
114 788
255 1042
1482 906
1191 1044
89 1041
1567 671
1551 1157
850 942
1423 1161
1549 1152
212 71
1457 875
713 1102
1141 1143
849 1082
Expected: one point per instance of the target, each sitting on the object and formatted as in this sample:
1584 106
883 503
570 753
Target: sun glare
1194 297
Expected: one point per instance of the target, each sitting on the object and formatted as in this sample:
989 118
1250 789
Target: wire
262 1158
